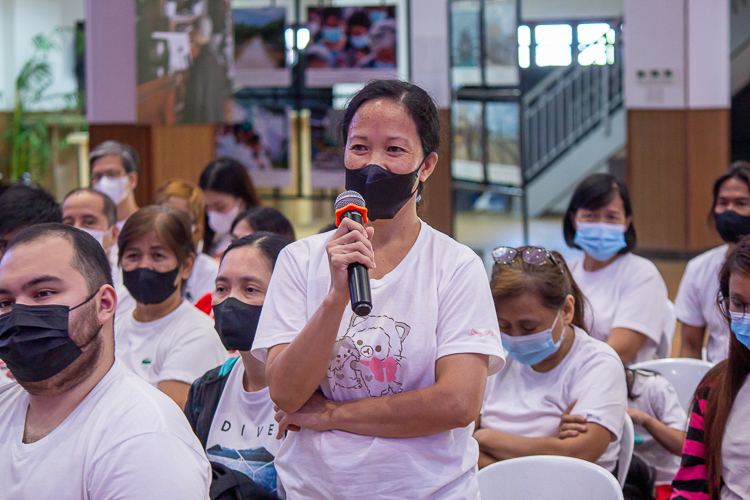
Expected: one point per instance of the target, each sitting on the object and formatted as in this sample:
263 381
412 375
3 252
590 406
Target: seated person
229 408
79 424
165 340
554 367
627 295
187 197
660 422
114 171
250 222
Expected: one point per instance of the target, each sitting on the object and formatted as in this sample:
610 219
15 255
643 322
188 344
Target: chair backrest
561 478
627 444
683 373
670 324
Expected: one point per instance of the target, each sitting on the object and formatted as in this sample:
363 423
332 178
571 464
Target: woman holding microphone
385 402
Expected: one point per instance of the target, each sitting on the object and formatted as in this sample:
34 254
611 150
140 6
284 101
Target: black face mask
148 286
732 226
236 323
35 342
385 193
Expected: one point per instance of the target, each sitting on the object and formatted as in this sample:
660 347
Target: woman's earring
419 198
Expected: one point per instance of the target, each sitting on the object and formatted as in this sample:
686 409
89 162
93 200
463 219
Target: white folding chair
670 324
543 476
627 444
683 373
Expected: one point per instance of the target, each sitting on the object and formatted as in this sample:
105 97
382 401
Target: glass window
596 44
553 45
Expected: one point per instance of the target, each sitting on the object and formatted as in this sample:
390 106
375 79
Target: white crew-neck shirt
527 403
657 398
735 448
202 279
436 302
125 440
696 302
181 346
243 431
628 293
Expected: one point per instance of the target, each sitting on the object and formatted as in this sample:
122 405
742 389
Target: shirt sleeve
687 305
152 465
643 304
467 322
198 350
602 393
667 404
284 312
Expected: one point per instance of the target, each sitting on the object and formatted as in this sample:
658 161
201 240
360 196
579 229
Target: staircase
573 123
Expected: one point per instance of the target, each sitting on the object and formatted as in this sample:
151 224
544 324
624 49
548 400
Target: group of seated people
169 296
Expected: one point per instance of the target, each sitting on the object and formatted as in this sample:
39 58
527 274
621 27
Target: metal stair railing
563 108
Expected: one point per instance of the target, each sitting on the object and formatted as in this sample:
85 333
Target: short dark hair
127 154
594 192
269 244
360 18
89 258
266 219
418 103
109 209
22 206
738 170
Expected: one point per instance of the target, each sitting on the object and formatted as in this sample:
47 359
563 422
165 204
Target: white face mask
117 189
98 235
221 223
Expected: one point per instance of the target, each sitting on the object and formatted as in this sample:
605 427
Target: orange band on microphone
351 206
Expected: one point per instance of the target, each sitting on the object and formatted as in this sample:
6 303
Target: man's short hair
22 206
127 155
109 208
89 258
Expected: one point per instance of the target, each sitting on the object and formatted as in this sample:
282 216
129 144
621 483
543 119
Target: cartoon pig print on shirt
369 355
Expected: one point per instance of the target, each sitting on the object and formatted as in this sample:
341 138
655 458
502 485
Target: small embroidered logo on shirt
482 333
146 361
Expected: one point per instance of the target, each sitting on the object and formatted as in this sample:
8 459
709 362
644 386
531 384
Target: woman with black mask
229 408
165 340
696 305
386 402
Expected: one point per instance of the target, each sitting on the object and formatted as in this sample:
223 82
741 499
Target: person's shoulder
191 317
709 259
305 249
10 393
205 264
593 351
632 264
448 250
216 375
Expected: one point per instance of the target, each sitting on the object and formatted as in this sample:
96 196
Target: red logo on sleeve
482 333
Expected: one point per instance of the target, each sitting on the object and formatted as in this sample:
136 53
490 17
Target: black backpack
228 484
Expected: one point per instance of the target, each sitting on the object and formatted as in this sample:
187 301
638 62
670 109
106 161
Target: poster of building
466 163
465 43
503 160
351 45
501 43
185 57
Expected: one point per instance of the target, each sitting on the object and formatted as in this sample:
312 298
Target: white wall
429 48
21 21
543 10
708 54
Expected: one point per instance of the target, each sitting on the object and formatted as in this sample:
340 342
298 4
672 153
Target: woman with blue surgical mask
627 295
554 368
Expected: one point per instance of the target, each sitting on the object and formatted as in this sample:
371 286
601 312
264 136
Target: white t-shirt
658 398
735 448
436 302
696 302
125 440
527 403
181 346
628 293
125 301
202 279
243 431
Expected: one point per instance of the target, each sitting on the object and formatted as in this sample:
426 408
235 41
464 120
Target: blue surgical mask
360 42
534 348
332 35
378 15
741 327
599 239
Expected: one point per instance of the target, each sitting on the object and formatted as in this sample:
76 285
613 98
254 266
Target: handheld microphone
351 205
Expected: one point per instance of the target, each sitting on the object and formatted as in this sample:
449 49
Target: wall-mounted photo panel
466 163
259 48
501 43
258 137
351 45
185 56
503 161
465 43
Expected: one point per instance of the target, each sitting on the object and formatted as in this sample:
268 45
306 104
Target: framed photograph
259 48
465 43
185 59
466 163
503 160
501 43
351 45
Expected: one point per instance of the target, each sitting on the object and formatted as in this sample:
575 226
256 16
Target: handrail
563 108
